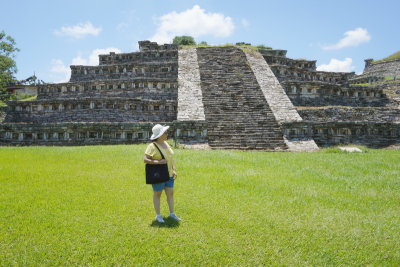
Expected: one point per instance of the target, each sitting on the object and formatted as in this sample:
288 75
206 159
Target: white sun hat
158 130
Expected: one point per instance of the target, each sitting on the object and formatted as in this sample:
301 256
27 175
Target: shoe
173 216
160 219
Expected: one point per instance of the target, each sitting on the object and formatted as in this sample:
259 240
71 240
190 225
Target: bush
184 40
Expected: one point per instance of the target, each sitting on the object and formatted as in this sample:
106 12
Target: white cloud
63 72
194 22
79 61
79 31
338 65
351 38
245 23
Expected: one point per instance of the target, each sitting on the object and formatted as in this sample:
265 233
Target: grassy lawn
90 206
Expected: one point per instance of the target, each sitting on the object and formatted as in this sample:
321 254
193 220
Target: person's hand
162 161
174 174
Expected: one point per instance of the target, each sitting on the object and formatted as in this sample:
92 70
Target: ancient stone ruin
232 97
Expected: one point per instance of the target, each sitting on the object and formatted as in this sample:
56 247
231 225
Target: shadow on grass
169 223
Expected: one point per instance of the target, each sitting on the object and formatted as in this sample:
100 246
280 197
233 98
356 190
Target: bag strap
159 150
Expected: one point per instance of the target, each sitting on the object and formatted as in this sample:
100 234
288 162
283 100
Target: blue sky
338 34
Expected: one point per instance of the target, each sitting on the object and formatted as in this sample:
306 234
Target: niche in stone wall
28 136
93 135
81 135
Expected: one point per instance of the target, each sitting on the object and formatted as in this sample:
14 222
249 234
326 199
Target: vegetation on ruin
248 47
184 40
89 206
28 97
391 57
387 80
187 42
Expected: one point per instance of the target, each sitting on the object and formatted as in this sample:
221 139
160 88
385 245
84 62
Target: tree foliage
184 40
8 67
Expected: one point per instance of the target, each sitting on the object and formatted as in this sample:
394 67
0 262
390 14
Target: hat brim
164 129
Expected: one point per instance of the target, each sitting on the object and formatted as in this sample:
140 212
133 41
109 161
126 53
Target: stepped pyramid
228 97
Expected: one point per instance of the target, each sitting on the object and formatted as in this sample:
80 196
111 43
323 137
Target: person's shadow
169 223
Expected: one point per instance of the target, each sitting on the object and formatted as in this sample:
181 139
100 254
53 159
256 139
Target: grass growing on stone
249 47
90 206
29 98
394 56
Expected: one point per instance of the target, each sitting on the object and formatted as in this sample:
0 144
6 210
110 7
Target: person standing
153 156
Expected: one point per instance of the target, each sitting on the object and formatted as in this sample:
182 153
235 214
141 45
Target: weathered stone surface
370 134
278 101
304 144
216 95
236 111
335 114
190 98
382 69
350 149
2 114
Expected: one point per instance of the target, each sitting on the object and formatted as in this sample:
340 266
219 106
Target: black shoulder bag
157 173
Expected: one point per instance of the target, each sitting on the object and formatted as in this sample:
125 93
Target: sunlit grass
91 206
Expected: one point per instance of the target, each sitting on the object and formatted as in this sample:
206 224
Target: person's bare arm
149 160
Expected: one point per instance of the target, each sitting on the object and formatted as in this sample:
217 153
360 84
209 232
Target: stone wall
143 87
87 110
96 133
149 52
74 133
333 114
3 111
285 73
371 134
327 94
386 68
288 62
126 71
191 132
392 91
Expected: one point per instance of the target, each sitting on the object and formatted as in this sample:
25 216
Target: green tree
184 40
8 67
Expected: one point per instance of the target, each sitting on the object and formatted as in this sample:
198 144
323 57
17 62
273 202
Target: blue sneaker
160 219
173 216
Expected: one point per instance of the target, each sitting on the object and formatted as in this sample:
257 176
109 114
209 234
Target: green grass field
90 206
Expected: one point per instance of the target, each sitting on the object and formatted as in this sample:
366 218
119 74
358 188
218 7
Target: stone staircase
235 108
190 104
